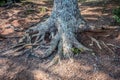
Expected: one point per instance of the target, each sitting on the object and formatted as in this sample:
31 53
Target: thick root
96 41
53 45
60 44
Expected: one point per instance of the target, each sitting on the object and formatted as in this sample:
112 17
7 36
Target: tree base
58 40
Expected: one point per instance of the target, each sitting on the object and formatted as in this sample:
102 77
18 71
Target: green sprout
77 51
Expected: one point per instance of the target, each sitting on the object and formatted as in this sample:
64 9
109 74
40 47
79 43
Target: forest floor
103 64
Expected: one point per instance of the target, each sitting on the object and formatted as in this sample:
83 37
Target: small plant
43 9
116 13
2 2
76 50
30 11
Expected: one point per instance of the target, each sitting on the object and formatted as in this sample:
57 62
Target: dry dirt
103 64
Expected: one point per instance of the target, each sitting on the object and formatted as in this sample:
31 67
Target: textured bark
68 12
64 22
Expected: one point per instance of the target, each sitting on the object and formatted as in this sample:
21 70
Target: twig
107 47
113 45
102 29
97 42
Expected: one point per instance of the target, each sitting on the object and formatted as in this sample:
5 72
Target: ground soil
103 64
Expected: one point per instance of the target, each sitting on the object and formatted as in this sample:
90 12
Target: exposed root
96 41
61 40
60 44
101 43
113 45
53 45
34 36
108 48
78 45
54 61
101 29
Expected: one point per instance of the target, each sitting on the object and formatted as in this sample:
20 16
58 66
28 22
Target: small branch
96 41
101 29
108 48
113 45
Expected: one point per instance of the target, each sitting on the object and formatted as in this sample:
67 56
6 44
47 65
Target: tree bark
64 22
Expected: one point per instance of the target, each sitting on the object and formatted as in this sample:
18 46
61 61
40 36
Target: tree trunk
64 22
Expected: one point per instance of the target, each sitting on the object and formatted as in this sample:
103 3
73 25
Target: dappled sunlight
5 29
101 64
79 69
101 76
3 66
118 38
44 75
70 69
22 15
97 12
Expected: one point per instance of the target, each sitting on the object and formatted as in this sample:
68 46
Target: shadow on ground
99 12
100 65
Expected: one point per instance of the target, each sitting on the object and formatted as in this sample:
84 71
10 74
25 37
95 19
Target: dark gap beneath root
47 37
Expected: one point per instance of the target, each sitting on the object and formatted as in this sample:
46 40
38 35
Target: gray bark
66 11
64 22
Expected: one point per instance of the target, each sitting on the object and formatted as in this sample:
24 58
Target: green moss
2 2
43 9
77 51
116 13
